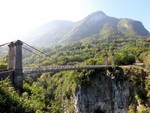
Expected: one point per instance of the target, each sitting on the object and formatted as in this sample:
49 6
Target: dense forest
50 92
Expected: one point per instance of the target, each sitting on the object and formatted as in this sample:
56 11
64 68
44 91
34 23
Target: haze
20 17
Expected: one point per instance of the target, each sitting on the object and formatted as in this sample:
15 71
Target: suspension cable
33 52
4 44
36 49
3 70
7 71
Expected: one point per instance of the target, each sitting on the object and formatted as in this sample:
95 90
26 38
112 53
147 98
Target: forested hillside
56 92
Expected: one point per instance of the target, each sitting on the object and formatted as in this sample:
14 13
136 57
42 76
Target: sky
20 17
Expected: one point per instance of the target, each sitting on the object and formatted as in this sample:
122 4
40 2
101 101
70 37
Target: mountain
50 33
97 23
131 26
91 25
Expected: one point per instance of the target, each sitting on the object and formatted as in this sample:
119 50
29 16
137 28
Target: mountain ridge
98 23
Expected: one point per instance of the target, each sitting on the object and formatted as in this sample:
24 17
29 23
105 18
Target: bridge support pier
106 59
11 55
11 58
15 63
18 74
113 59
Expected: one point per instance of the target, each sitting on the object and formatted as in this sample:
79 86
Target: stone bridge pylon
15 63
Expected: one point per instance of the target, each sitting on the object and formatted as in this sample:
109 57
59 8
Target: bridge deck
5 73
61 68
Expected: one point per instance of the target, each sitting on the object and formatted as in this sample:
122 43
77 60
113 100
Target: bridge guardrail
61 68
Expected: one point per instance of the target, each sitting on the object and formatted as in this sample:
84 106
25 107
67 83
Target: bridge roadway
40 70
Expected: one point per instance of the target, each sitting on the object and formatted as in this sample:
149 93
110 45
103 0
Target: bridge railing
6 73
28 70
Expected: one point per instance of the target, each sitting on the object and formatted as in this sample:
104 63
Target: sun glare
19 17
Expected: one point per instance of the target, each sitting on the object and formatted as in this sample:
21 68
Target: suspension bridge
17 72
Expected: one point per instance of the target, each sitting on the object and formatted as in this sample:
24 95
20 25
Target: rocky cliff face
103 94
105 90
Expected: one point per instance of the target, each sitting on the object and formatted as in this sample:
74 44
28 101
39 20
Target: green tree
124 58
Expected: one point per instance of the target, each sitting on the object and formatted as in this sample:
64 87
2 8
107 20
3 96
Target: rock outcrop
103 94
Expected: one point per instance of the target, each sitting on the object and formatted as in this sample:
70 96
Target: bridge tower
113 59
15 63
106 59
11 56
